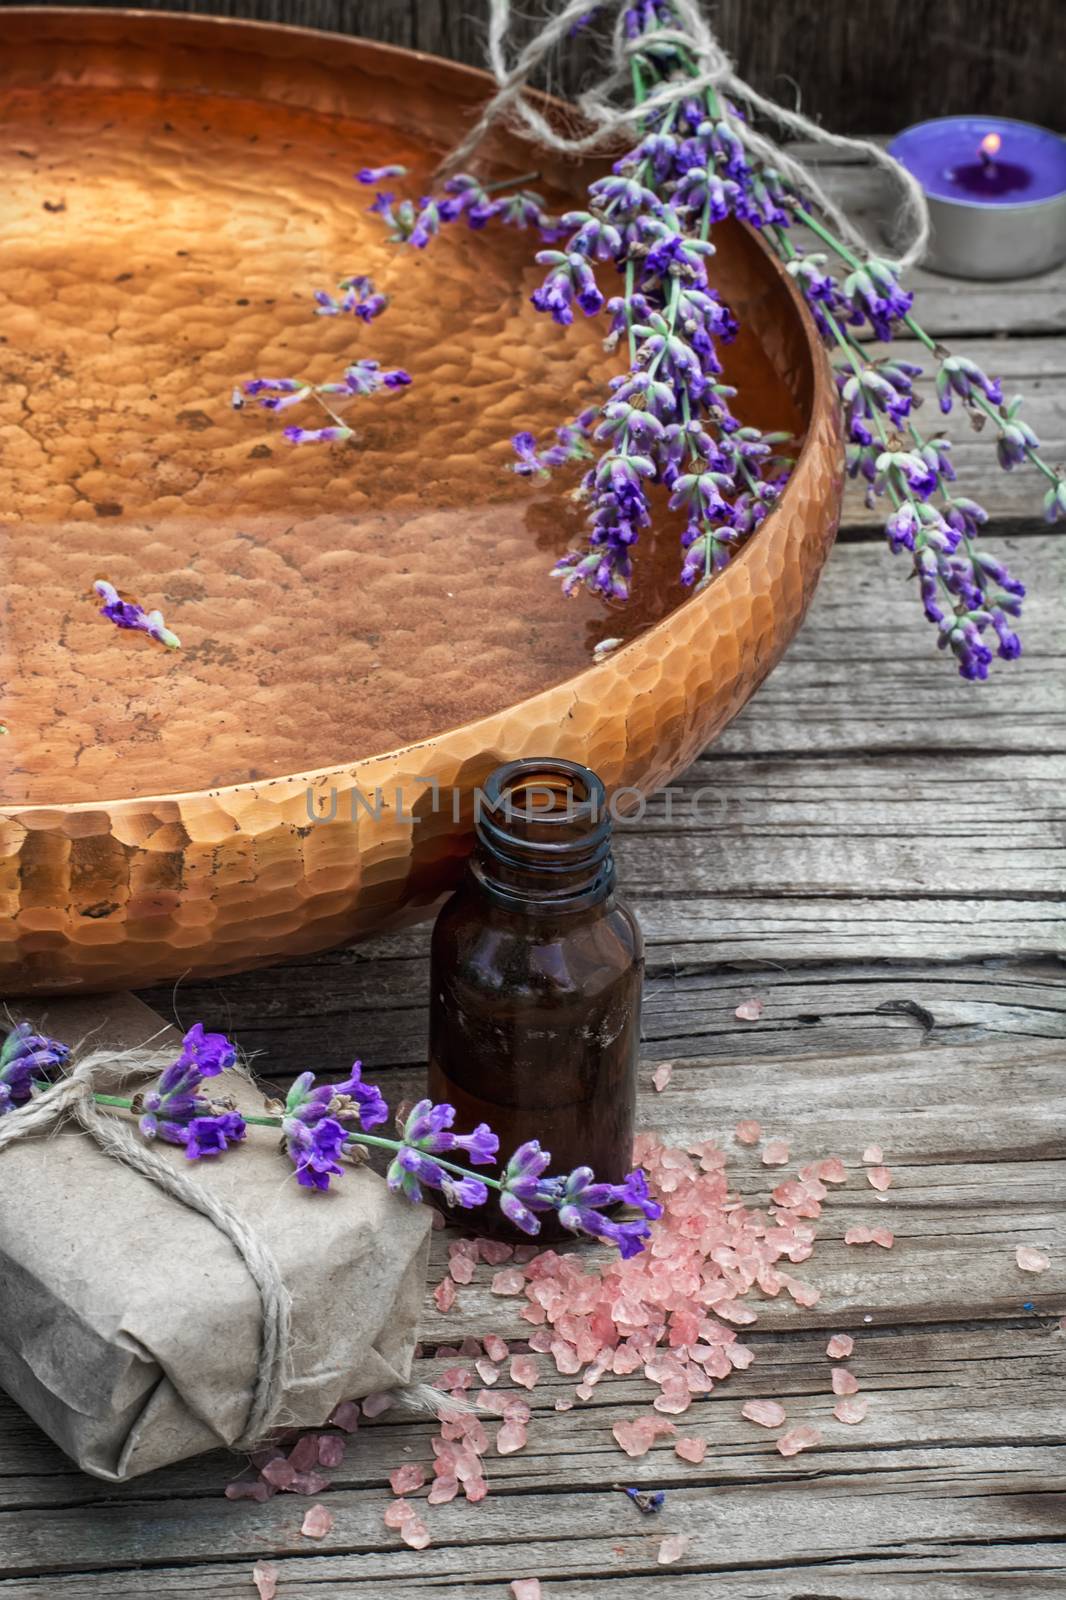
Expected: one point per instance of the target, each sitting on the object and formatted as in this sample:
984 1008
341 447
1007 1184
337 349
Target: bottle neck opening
544 835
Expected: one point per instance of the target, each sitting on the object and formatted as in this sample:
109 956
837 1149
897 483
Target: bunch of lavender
668 419
324 1125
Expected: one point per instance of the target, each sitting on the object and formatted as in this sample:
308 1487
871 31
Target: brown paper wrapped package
130 1326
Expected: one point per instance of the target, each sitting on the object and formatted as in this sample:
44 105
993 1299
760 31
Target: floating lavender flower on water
127 614
27 1059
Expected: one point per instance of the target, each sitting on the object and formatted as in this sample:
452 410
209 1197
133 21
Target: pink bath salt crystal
851 1410
250 1489
804 1294
748 1132
443 1296
882 1236
487 1372
534 1314
515 1410
750 1010
330 1450
470 1347
732 1311
461 1270
509 1281
455 1378
485 1400
526 1588
775 1153
408 1478
767 1413
567 1361
840 1346
692 1450
375 1404
437 1221
415 1533
495 1347
526 1252
281 1473
858 1235
511 1437
309 1483
525 1370
540 1340
797 1439
634 1439
879 1177
672 1402
494 1252
304 1453
626 1359
672 1548
441 1490
1031 1259
475 1489
662 1075
265 1578
873 1155
740 1357
844 1382
564 1405
317 1523
833 1170
399 1512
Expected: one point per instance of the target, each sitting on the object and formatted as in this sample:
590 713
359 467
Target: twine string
608 119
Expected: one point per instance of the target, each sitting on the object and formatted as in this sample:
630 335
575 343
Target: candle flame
990 144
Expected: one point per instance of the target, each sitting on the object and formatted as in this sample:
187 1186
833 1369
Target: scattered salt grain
304 1453
444 1295
750 1010
844 1382
797 1439
833 1170
767 1413
526 1588
873 1155
840 1346
748 1132
397 1513
511 1437
441 1490
860 1235
265 1578
692 1450
662 1075
564 1405
495 1347
880 1177
1030 1259
415 1533
775 1153
851 1410
475 1489
375 1404
408 1478
487 1372
461 1269
280 1473
317 1523
494 1252
672 1548
509 1281
525 1371
330 1450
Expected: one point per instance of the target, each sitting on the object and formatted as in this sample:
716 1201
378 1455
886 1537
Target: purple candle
996 190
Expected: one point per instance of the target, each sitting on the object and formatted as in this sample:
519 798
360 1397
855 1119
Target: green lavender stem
123 1103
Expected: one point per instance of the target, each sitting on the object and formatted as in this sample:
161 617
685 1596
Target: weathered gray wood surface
879 858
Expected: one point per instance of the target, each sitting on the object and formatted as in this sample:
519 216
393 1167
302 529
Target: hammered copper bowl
158 806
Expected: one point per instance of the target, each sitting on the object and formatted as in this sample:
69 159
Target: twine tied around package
72 1098
609 117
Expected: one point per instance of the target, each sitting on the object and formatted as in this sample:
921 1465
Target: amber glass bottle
535 978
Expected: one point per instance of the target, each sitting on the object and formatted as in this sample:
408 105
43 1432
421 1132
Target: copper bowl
162 163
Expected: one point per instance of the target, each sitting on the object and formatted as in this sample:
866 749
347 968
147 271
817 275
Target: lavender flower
379 174
127 614
525 1189
315 1149
335 434
349 1100
582 1200
26 1059
177 1113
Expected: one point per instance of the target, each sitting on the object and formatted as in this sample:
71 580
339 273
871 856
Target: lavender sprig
323 1126
129 615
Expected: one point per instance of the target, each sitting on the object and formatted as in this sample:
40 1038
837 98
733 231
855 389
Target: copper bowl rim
475 79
